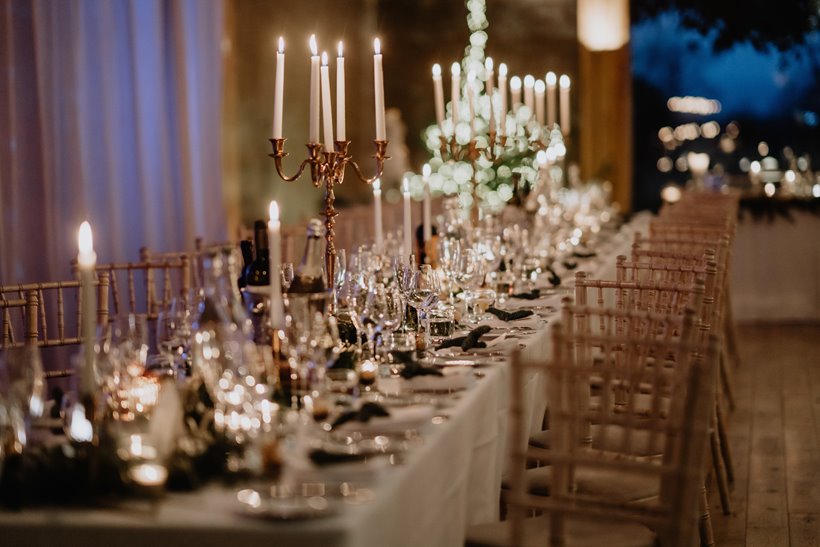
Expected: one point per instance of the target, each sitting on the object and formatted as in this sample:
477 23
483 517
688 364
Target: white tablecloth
451 481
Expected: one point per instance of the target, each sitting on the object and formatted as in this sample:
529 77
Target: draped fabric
109 111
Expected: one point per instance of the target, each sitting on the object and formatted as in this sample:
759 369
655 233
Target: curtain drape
110 111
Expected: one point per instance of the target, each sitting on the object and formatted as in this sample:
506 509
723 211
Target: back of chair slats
600 357
14 319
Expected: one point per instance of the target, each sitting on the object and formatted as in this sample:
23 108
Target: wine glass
448 252
173 334
470 274
424 294
22 386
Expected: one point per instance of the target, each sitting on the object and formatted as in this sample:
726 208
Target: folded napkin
363 414
401 418
569 264
509 315
451 379
553 278
412 367
583 253
534 294
468 342
323 457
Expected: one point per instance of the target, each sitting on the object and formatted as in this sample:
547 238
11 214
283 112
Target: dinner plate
282 503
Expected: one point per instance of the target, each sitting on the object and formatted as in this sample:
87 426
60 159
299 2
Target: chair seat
610 437
579 533
614 485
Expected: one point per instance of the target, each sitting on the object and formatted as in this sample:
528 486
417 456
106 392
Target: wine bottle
256 273
246 247
309 276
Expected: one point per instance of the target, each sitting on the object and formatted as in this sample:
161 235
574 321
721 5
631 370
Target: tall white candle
86 261
471 101
455 91
313 133
552 98
488 68
378 83
502 91
540 89
564 84
408 231
341 130
438 94
515 91
377 214
492 120
279 90
327 108
529 97
428 226
277 312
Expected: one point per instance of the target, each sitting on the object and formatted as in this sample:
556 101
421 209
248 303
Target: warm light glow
515 83
693 105
790 176
281 45
148 474
273 211
455 69
377 186
698 163
671 193
541 157
603 25
340 49
426 170
540 87
769 189
377 46
324 58
405 186
314 49
488 64
564 82
502 69
755 167
437 70
85 240
552 79
815 190
529 80
81 429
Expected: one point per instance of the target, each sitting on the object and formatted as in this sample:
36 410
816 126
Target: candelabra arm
380 156
313 159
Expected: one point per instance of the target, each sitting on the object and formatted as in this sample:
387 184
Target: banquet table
449 480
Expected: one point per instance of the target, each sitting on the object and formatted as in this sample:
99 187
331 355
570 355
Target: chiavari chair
654 469
16 314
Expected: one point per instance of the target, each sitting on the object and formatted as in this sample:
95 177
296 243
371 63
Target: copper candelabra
327 168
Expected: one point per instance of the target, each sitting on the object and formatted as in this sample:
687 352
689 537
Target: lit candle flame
515 83
314 49
540 87
324 58
436 69
341 49
85 241
426 170
488 64
564 81
281 45
552 79
455 69
529 80
377 185
377 46
273 211
502 69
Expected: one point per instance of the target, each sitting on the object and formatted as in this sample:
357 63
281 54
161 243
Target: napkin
467 342
363 414
534 294
569 264
412 367
553 278
509 315
323 457
583 253
451 379
400 419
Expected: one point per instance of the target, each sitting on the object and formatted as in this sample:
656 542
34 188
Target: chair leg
725 448
707 535
720 470
729 334
725 377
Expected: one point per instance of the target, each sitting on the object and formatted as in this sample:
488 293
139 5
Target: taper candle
515 91
428 226
277 312
564 84
540 89
455 92
377 214
86 261
529 96
341 130
502 91
490 76
408 232
327 108
378 84
471 101
552 98
279 90
438 94
313 133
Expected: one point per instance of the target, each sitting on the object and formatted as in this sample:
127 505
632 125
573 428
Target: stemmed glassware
424 294
449 250
22 395
470 275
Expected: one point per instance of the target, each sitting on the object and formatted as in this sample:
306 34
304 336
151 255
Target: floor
775 440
